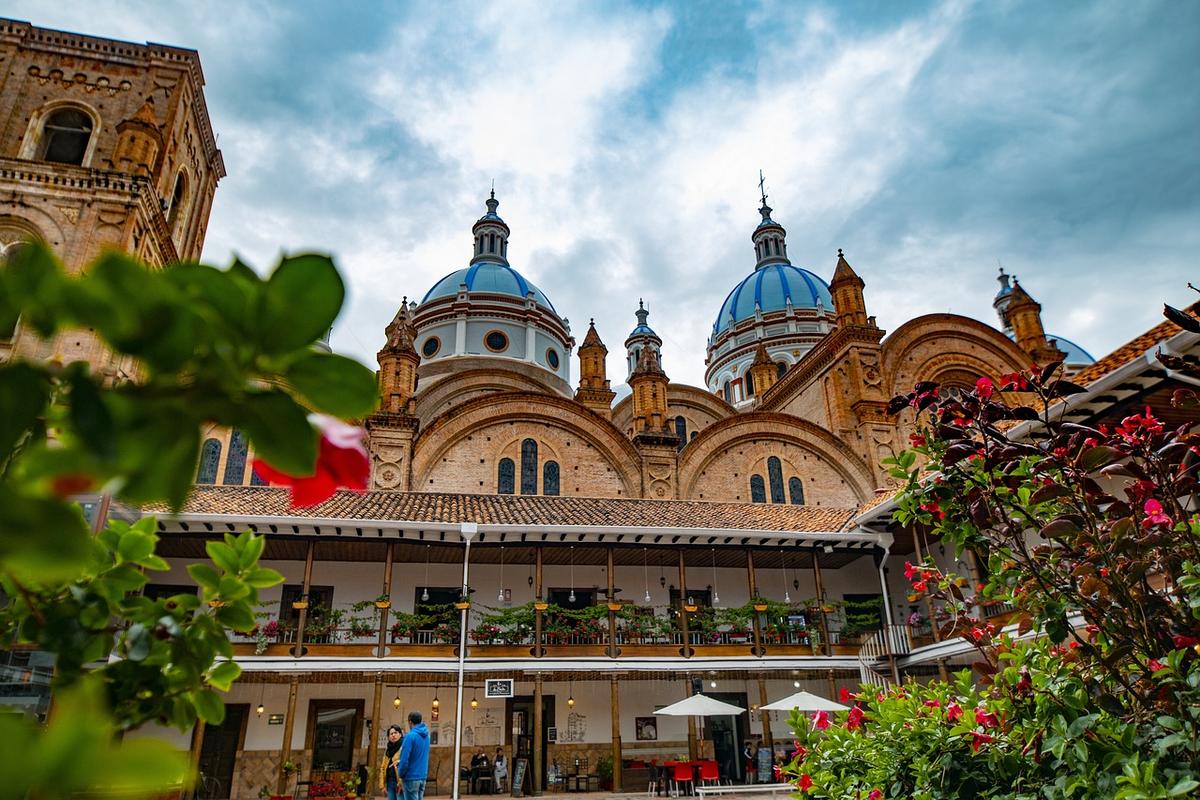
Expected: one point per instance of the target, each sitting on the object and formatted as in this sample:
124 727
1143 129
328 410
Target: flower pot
760 607
216 603
381 604
462 604
299 604
614 606
540 606
691 609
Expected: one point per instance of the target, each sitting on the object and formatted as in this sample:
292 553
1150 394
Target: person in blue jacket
413 765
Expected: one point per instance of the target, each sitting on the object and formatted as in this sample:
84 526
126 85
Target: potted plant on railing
463 602
265 635
406 625
446 634
362 626
484 633
383 601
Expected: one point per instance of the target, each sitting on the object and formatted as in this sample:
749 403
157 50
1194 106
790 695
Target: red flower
341 461
821 720
1180 641
63 486
1013 382
985 718
980 739
1154 514
1104 572
933 508
855 719
805 782
876 794
984 387
933 703
954 712
916 440
1155 665
845 695
920 586
909 570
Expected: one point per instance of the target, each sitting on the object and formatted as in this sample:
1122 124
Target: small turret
398 361
491 234
763 372
1023 315
640 339
139 142
649 385
770 239
847 290
594 390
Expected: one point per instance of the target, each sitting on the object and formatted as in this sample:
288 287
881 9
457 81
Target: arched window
681 431
758 492
210 456
235 465
491 242
550 478
796 490
65 137
529 466
506 475
728 391
775 476
749 385
256 479
780 368
178 195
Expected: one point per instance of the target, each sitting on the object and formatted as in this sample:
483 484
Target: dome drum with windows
488 310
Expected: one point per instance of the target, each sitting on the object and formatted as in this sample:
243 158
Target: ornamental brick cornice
816 361
385 420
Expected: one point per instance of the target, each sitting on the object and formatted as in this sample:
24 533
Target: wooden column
683 624
612 615
197 747
832 688
376 724
300 623
288 721
933 626
693 743
387 590
537 614
768 737
616 725
828 645
539 770
752 582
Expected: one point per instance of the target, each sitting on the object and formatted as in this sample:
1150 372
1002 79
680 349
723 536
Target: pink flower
984 387
980 739
876 794
916 440
933 703
342 461
1180 641
805 782
1154 514
985 718
821 720
954 712
1155 665
855 719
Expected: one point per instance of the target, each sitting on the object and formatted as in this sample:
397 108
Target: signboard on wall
275 719
498 687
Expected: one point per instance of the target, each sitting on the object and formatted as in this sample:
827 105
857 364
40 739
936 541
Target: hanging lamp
425 588
716 598
500 593
646 574
571 596
261 695
474 699
787 596
571 694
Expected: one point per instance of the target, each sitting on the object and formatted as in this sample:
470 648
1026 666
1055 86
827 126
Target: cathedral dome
1075 354
488 277
770 288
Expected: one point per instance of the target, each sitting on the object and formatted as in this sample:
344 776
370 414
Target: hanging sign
498 687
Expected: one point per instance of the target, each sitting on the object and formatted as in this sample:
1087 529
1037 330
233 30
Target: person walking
388 780
413 765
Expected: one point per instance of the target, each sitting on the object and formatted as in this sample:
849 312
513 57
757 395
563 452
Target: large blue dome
1075 353
489 277
770 287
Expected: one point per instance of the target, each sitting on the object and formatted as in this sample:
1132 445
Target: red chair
681 774
709 774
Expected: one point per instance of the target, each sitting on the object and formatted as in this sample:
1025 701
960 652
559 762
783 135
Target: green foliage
204 347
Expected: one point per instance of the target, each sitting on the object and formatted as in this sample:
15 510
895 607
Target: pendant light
716 598
787 597
436 703
646 574
571 596
261 706
425 589
396 701
571 694
500 594
662 578
474 699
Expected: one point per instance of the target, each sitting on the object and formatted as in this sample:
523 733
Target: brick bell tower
594 390
652 433
1023 315
394 427
103 144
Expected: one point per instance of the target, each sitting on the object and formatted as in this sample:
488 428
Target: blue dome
770 288
1075 353
489 277
641 330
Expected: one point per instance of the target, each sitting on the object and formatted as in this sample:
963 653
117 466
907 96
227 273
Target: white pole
468 531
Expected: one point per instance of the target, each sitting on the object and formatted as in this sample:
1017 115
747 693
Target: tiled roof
1129 351
881 497
250 501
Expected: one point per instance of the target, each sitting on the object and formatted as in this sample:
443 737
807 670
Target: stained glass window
550 478
210 456
256 479
758 490
681 431
235 464
775 476
504 482
796 490
529 466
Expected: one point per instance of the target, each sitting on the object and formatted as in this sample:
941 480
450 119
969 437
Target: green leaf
205 576
37 284
209 706
41 539
280 432
237 616
264 578
24 393
335 384
299 303
252 550
135 545
223 556
224 674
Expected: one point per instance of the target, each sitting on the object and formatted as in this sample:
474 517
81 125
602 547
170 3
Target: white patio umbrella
699 705
804 701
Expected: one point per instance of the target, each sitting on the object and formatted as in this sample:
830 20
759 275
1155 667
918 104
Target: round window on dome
496 341
431 347
552 357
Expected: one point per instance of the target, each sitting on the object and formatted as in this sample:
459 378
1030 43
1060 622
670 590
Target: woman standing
388 780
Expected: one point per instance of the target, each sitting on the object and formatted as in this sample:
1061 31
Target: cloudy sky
931 141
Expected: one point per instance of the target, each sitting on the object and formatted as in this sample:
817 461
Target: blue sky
931 141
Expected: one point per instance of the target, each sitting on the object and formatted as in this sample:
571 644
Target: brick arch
603 445
461 387
711 447
949 346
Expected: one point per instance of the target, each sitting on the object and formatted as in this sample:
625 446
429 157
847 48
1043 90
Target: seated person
480 766
500 769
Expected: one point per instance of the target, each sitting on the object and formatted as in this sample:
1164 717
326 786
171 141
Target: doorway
334 729
728 734
218 753
522 737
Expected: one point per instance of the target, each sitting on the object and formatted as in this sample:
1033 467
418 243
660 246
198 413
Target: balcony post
693 743
686 652
387 590
752 581
376 723
538 650
616 726
303 619
612 620
285 752
539 771
768 737
197 747
827 645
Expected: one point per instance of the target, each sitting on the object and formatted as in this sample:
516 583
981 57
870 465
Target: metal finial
840 253
640 306
762 187
493 188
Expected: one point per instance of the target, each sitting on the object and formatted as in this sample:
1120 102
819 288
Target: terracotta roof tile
255 501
